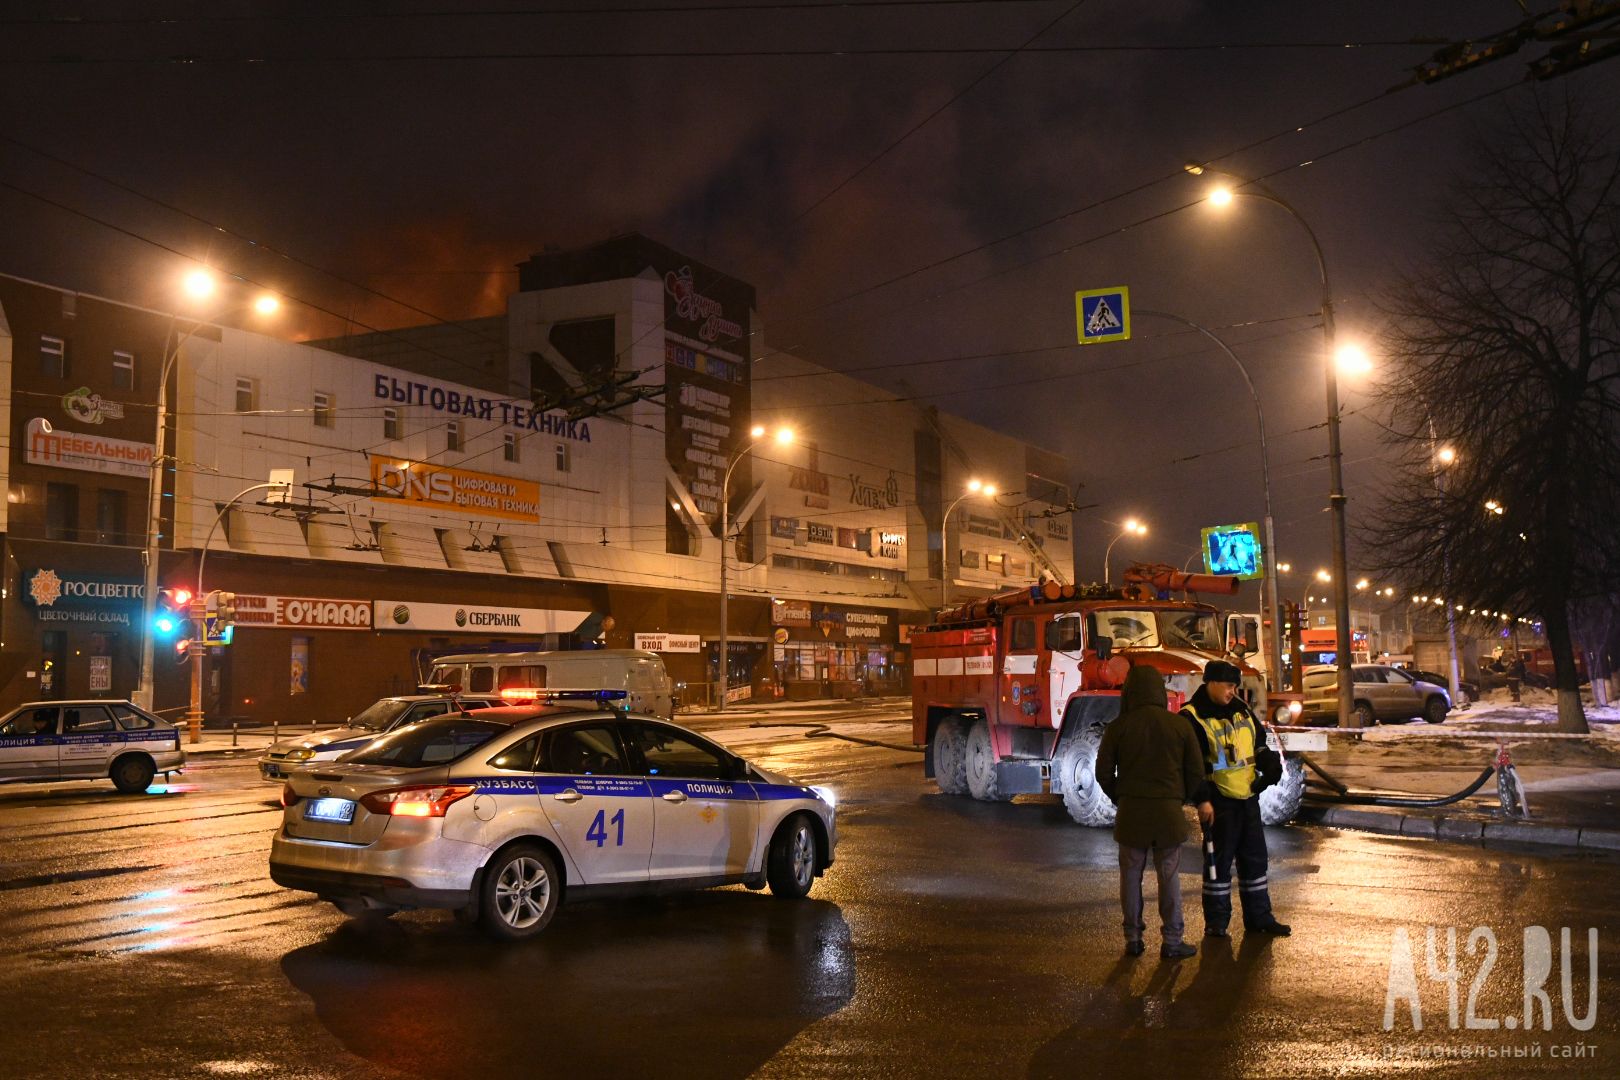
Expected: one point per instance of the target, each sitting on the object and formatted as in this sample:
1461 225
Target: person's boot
1215 931
1179 951
1274 928
1134 948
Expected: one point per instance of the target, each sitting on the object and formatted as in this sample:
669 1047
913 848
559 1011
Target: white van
639 673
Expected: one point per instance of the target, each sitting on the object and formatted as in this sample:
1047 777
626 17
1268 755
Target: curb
1456 830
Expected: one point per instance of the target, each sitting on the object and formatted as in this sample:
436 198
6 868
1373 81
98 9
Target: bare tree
1505 344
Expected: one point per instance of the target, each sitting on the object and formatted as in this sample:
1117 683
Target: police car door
707 821
88 741
602 814
28 744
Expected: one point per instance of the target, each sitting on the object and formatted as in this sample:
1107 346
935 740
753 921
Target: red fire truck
1010 694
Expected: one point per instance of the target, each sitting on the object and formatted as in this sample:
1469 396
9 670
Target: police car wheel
950 756
791 864
981 765
133 774
519 894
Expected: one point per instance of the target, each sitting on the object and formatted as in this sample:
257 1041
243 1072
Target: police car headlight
826 795
303 753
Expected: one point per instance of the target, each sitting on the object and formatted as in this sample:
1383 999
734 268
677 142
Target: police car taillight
425 801
288 795
520 695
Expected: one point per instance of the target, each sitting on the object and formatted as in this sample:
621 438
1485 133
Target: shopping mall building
547 478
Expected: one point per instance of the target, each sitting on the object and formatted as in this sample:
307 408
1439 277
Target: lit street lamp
198 285
783 437
1223 196
1132 528
974 487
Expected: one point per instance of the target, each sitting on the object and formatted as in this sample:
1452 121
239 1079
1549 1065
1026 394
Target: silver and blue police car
502 813
87 740
381 716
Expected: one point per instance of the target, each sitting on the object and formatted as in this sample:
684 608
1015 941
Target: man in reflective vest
1229 806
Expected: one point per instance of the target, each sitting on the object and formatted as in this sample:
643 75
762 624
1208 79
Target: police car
381 716
87 740
502 813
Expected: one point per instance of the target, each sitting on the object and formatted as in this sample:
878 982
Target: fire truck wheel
1076 765
981 765
950 756
1280 802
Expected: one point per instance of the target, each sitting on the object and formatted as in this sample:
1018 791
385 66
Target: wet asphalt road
144 938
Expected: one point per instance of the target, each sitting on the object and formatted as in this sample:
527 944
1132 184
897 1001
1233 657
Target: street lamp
1222 196
756 434
973 487
197 285
1132 528
1268 583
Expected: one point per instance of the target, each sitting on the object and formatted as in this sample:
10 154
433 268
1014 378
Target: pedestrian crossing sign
1103 314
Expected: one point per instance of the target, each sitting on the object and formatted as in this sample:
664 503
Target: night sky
364 146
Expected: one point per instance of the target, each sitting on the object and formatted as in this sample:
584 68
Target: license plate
337 811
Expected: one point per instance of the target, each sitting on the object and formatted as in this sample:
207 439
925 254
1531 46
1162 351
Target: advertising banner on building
62 596
706 383
473 618
1234 550
439 487
833 623
87 453
670 643
302 612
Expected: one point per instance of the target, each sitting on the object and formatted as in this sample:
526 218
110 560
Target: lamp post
1443 458
1223 196
1132 528
199 285
1268 583
783 437
974 486
194 717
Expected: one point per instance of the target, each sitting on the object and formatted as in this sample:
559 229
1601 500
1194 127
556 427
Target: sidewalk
1572 781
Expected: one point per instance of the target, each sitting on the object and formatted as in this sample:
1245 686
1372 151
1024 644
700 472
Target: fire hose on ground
825 731
1509 788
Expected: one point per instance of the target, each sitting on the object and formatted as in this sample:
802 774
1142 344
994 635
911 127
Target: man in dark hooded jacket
1149 765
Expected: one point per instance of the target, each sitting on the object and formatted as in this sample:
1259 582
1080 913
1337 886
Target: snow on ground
1535 707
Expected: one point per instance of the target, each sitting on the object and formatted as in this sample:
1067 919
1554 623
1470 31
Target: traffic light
173 611
224 612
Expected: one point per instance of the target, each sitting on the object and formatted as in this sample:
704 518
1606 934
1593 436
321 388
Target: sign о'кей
518 414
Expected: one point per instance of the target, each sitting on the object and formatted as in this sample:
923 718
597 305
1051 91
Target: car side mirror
1104 647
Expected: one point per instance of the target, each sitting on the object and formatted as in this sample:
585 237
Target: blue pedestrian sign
1103 314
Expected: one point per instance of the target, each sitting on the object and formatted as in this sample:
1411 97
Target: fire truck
1011 693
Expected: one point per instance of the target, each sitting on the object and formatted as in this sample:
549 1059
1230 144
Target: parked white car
379 718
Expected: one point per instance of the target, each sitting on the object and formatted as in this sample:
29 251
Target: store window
995 563
323 409
111 516
61 512
390 423
452 435
565 460
247 395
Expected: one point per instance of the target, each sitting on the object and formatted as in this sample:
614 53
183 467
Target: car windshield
1152 628
380 715
438 741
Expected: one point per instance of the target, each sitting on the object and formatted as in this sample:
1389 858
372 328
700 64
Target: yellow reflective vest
1230 756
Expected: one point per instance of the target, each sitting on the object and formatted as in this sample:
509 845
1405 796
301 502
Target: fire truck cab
1011 693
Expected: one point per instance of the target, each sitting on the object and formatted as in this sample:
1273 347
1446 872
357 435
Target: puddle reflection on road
611 988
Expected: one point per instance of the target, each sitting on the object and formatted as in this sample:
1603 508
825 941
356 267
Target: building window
511 447
390 423
53 356
111 516
247 395
323 409
123 370
565 460
61 512
452 435
996 563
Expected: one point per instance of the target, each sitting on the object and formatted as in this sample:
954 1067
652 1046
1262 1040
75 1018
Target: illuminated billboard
1234 551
